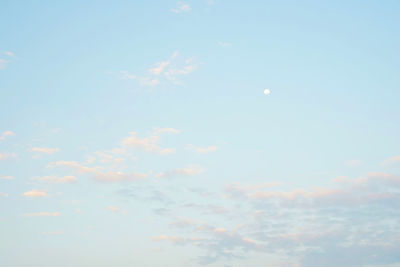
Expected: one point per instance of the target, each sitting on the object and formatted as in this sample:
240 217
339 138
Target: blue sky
137 133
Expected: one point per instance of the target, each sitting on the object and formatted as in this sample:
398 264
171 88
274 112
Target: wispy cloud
150 143
6 134
181 8
100 175
35 193
45 150
4 62
3 194
161 66
163 72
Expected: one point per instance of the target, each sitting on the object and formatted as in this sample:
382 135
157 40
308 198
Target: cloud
182 7
35 193
174 72
5 134
9 53
57 180
188 171
216 241
45 150
162 72
305 227
160 66
148 144
74 165
201 150
392 160
98 174
42 214
6 155
168 71
3 194
119 177
7 177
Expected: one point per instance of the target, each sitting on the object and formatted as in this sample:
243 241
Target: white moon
267 91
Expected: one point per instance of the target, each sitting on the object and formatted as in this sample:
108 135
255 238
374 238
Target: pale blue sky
137 133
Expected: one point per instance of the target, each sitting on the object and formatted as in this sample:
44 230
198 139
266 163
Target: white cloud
188 171
35 193
43 214
45 150
3 194
9 53
182 7
5 134
201 150
57 180
267 92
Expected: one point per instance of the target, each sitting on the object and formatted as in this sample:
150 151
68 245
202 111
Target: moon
267 92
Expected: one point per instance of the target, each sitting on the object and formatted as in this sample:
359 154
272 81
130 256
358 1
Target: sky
200 133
